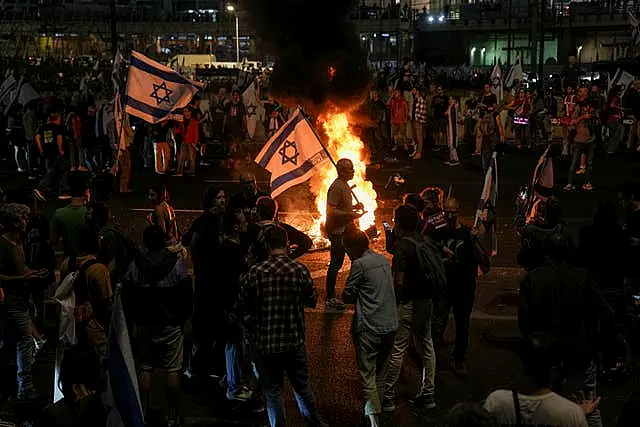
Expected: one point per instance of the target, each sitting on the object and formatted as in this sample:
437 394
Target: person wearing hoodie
158 299
537 404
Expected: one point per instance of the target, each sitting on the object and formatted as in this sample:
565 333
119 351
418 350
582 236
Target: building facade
481 34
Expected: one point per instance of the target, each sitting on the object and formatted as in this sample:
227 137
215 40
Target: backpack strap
516 407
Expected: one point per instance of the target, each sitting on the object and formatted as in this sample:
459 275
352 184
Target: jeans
19 322
21 157
187 154
76 153
93 158
616 133
413 318
234 352
337 254
33 158
272 369
372 354
578 149
55 180
461 301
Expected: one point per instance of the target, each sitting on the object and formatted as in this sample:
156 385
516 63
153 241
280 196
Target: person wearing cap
462 272
341 216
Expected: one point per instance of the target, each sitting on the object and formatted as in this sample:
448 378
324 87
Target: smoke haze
307 37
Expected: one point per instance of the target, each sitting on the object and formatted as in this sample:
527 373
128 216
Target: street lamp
232 9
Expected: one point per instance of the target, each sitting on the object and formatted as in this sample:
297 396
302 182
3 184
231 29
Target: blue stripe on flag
124 392
164 75
148 109
279 139
298 172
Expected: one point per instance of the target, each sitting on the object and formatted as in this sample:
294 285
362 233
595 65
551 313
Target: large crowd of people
246 279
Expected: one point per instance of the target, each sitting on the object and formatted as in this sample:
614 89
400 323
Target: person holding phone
14 281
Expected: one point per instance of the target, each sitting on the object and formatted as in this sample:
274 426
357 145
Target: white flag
27 94
292 154
154 91
496 82
8 86
621 78
515 73
635 29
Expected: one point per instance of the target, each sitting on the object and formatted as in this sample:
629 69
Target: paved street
331 355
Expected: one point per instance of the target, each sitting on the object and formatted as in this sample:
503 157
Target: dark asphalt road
331 355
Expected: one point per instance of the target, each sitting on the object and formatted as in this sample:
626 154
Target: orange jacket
190 131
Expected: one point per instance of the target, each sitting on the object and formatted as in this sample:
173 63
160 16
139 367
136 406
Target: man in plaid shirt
419 120
273 295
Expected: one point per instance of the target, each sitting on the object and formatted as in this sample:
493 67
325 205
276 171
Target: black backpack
431 263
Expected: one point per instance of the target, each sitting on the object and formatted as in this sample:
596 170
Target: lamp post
232 9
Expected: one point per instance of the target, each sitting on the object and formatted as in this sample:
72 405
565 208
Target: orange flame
332 73
343 144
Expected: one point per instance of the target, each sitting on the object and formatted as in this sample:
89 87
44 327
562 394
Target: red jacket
189 130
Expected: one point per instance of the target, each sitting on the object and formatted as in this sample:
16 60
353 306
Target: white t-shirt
547 410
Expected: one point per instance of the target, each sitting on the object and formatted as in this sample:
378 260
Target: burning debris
327 74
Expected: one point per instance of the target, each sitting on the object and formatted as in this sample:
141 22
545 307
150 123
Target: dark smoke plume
307 37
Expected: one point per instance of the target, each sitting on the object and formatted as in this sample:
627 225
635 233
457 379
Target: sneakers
587 187
177 174
581 170
452 164
83 169
241 395
425 400
39 343
334 304
38 195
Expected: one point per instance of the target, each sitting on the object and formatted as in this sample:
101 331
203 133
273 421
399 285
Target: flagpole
122 113
313 129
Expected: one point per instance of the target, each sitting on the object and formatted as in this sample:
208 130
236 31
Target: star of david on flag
155 92
292 155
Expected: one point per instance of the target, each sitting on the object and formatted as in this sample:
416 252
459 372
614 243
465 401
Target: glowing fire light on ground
343 144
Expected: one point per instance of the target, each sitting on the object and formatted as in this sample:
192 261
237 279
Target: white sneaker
242 395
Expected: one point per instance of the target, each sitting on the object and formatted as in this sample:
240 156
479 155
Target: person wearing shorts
158 298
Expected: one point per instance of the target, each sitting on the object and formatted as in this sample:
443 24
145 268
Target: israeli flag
292 154
123 397
154 91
